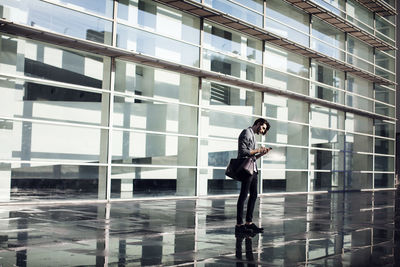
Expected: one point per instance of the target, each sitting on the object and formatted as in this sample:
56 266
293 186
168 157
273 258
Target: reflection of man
247 148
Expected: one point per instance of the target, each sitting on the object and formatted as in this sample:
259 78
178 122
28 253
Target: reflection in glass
384 94
330 39
384 146
287 133
358 162
358 143
383 128
58 19
384 164
151 16
153 149
131 113
30 100
359 102
240 11
159 84
285 158
327 93
326 160
383 180
283 81
103 7
327 75
359 124
284 181
231 66
327 180
359 86
360 15
326 117
131 181
283 108
157 46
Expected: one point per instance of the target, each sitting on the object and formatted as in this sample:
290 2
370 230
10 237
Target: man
247 148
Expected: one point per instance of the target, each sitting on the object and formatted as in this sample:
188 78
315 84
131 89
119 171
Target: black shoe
254 228
242 230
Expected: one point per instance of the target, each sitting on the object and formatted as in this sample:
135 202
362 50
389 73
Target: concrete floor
352 229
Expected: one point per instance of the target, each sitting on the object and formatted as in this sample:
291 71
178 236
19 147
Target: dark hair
262 121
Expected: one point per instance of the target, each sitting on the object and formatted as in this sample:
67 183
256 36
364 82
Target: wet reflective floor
337 229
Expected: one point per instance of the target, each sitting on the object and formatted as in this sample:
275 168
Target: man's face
261 129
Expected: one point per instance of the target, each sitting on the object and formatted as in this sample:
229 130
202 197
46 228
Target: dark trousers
249 185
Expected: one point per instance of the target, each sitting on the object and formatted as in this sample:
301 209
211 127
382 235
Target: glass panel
131 113
384 61
325 138
326 117
217 153
384 94
20 99
385 110
290 15
240 12
43 61
327 93
227 41
360 63
230 99
326 160
231 66
287 82
384 129
44 182
285 158
333 39
287 133
153 149
359 124
359 102
358 143
385 28
57 19
158 18
223 124
385 74
285 108
103 7
282 181
385 164
384 146
45 142
360 49
384 180
131 181
357 13
287 32
357 180
358 162
327 181
157 46
159 84
327 75
217 183
360 86
283 60
333 6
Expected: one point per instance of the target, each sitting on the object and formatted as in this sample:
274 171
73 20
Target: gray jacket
246 142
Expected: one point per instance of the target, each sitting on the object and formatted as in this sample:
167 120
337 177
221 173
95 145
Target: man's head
261 126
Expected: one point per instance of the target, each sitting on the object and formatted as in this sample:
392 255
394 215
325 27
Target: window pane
384 129
58 19
240 12
230 42
158 84
130 181
158 18
283 81
385 164
287 133
231 66
46 102
357 13
326 160
325 138
282 181
280 59
131 113
358 162
153 149
285 108
360 49
230 99
384 94
327 93
325 117
385 109
285 158
385 61
384 180
359 102
157 46
384 146
102 7
358 143
327 181
386 29
327 75
359 124
359 86
33 141
357 180
43 61
217 153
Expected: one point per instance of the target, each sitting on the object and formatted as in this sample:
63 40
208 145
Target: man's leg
244 190
252 199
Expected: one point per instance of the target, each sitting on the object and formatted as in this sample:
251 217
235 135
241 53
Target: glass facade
76 124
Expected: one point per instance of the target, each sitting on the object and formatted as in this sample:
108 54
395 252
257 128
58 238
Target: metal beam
20 30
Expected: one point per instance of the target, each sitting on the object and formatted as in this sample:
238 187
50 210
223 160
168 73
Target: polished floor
337 229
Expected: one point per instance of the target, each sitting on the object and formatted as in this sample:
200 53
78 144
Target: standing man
247 148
